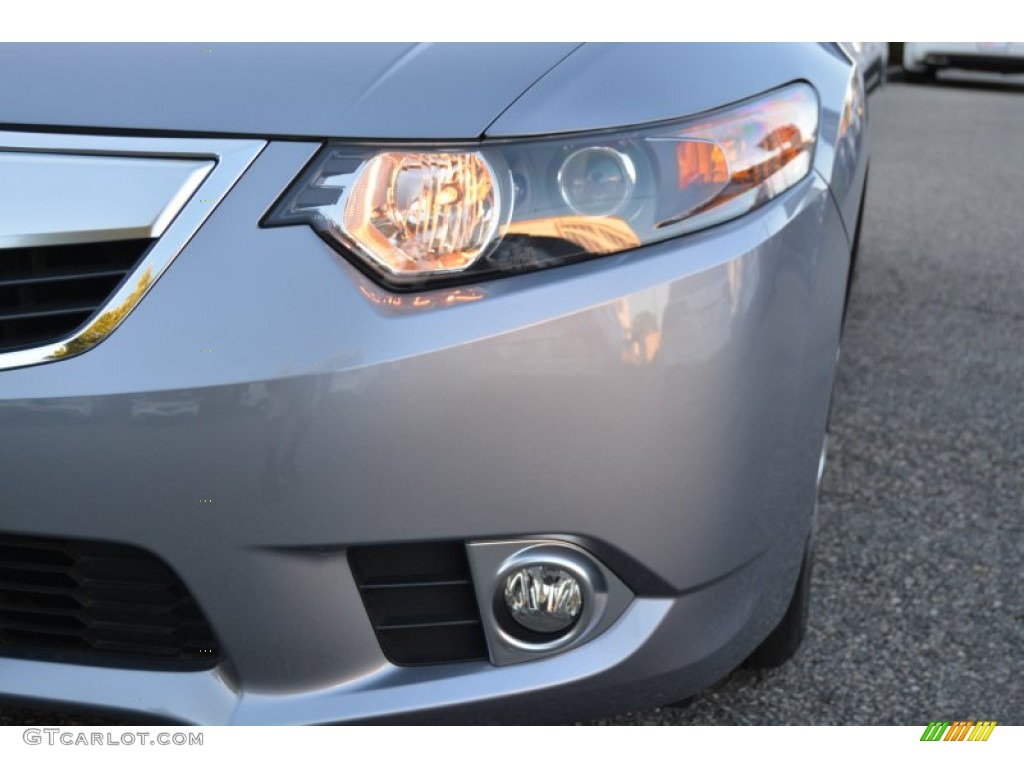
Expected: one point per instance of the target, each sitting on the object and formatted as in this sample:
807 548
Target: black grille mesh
421 602
93 602
48 292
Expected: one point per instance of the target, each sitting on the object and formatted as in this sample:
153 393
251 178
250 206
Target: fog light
543 598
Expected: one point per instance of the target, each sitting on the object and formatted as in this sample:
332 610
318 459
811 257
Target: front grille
421 602
47 292
97 603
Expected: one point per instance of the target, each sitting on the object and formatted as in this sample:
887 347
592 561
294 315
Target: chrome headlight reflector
416 215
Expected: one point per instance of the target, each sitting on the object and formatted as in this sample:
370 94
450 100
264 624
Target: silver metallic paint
714 447
605 597
667 403
369 90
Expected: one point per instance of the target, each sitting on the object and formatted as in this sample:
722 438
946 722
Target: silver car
437 382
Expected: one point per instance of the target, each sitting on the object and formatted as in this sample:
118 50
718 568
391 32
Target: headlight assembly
417 215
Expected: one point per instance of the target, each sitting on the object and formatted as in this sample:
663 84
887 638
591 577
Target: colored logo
959 730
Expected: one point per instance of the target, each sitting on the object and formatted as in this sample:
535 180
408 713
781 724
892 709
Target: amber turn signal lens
701 162
413 212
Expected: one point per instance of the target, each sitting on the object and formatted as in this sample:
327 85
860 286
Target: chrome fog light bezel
592 590
604 596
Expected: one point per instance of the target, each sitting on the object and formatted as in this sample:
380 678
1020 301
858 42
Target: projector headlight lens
596 181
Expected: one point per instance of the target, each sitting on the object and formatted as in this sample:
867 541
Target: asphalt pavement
918 588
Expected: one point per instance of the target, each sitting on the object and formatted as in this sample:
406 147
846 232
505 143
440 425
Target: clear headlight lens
416 215
414 212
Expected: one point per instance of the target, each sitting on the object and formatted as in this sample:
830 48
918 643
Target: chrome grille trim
231 157
55 198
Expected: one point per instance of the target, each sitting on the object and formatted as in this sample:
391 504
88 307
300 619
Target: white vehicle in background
924 60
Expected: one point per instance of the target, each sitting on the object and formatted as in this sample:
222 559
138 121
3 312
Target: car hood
352 90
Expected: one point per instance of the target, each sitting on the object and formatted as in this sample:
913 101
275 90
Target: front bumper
663 407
